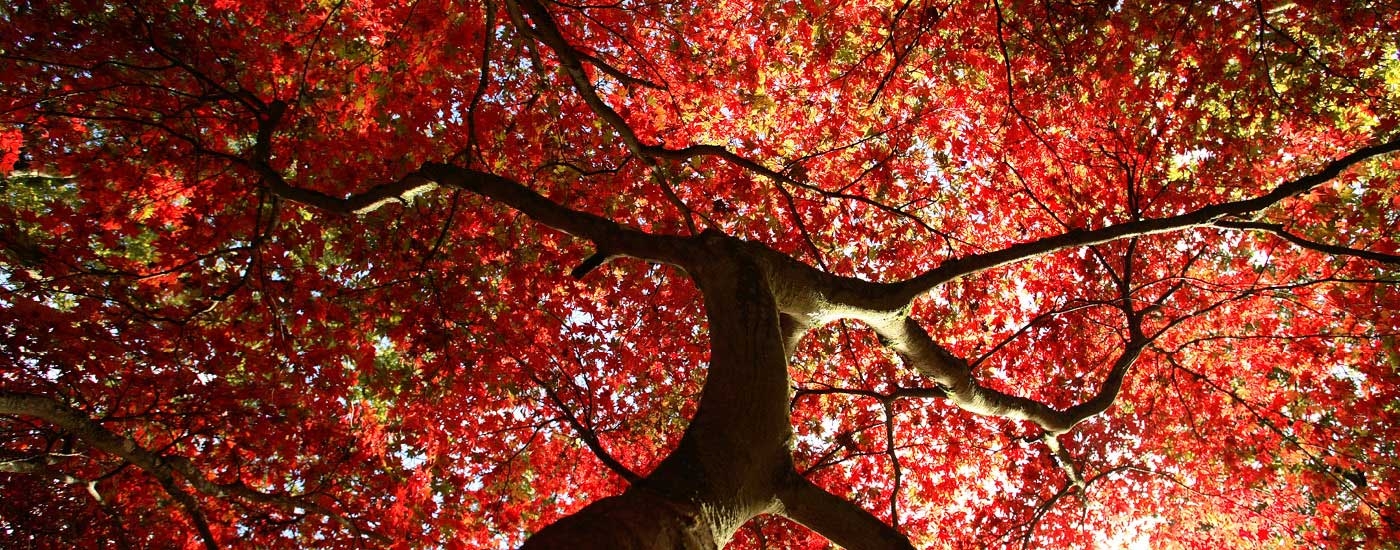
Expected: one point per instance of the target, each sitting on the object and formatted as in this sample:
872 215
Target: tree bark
838 519
734 456
637 519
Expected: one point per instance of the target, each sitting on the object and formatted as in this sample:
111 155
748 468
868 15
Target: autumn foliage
440 274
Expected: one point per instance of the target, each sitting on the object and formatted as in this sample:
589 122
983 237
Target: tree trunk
638 519
734 455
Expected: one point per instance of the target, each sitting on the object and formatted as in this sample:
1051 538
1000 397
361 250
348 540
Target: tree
650 274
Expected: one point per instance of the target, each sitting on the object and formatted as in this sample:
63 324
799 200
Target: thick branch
606 234
637 519
163 468
1062 458
837 518
893 453
41 466
736 450
823 296
918 349
359 203
545 29
78 424
899 392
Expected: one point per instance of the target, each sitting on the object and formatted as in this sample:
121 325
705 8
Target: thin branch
723 153
166 469
1343 482
1045 507
879 302
1335 250
94 434
545 29
589 437
624 78
893 453
1207 215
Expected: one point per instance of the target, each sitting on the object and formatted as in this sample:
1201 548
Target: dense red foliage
427 373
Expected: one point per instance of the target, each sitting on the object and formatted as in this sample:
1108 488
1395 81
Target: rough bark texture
734 456
637 519
734 461
837 518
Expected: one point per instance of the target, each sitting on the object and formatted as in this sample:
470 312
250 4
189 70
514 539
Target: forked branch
828 296
918 349
167 470
1207 215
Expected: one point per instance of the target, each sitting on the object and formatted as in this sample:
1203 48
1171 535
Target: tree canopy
662 274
